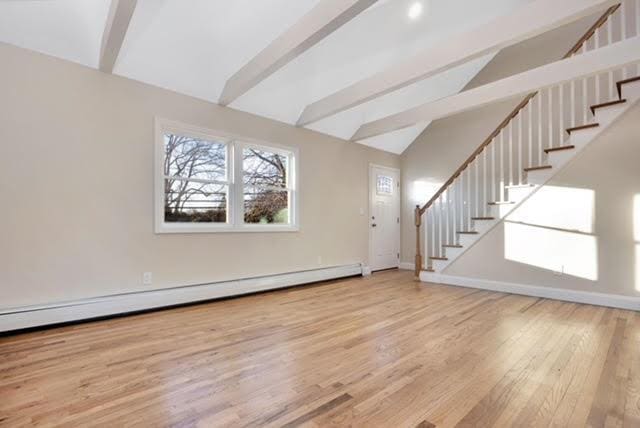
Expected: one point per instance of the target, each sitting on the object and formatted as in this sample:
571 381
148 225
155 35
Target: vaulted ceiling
195 46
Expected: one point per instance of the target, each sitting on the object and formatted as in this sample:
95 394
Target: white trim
608 58
406 266
35 316
525 22
576 296
235 144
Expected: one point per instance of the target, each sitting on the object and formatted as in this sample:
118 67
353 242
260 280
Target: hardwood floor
379 351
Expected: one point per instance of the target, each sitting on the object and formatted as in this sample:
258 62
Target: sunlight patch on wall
566 208
574 254
422 191
553 231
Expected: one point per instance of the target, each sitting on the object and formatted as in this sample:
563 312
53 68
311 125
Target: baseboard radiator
20 318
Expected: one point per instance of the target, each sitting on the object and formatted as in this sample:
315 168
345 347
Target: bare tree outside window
266 197
195 184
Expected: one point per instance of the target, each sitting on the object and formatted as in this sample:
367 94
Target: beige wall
76 181
606 176
447 143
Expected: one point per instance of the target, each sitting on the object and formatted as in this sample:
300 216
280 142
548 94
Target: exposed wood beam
321 21
120 14
526 22
587 64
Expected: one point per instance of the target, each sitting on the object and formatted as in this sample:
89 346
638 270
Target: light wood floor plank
378 351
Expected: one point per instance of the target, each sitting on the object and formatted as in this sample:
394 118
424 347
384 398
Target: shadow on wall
554 229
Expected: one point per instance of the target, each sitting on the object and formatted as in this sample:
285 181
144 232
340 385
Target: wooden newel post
418 221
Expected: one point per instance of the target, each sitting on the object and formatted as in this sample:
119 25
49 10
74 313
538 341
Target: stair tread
519 186
438 258
452 246
483 218
624 82
468 232
578 128
557 149
502 203
607 104
537 168
429 270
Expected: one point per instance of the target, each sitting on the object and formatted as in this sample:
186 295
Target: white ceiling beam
600 60
118 20
321 21
526 22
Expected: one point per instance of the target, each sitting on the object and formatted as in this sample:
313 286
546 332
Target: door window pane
384 185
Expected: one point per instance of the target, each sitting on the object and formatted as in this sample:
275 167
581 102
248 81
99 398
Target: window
384 185
210 183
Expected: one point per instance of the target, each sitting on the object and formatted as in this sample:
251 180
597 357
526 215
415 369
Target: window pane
193 158
263 168
194 202
263 206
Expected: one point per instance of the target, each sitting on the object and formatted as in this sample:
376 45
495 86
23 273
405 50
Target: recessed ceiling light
415 10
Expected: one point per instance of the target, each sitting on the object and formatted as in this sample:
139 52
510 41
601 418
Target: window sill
191 229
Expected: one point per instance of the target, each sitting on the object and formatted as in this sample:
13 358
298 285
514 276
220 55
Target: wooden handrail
590 32
421 210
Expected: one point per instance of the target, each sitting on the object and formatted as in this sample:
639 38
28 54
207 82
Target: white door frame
371 189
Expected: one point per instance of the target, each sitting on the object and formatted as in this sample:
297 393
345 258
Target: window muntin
208 183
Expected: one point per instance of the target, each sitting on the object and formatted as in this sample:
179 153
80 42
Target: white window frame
234 181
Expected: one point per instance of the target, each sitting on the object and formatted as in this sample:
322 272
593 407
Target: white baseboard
598 299
406 266
36 316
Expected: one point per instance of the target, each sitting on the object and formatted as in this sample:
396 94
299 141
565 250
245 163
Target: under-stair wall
580 233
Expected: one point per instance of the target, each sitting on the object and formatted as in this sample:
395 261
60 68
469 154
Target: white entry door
384 217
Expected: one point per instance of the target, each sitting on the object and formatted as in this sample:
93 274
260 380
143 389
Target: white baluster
597 42
484 182
573 103
432 239
501 166
585 96
447 229
461 202
561 138
637 17
469 214
550 117
476 199
539 128
610 41
493 168
511 152
530 108
520 171
623 31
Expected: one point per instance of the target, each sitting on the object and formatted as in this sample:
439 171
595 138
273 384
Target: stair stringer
606 117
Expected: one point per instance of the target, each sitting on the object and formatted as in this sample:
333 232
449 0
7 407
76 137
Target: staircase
541 136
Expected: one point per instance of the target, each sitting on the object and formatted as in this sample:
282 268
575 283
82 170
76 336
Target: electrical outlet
147 278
